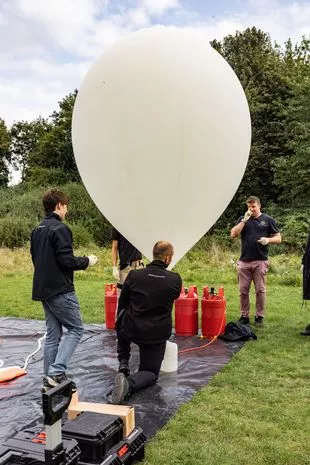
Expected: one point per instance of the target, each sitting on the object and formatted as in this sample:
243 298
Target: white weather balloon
161 135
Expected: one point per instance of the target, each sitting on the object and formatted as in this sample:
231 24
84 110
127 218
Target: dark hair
161 249
51 198
253 199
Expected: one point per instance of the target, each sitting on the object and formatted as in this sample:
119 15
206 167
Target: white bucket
170 361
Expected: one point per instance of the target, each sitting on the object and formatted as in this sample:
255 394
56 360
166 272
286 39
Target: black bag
238 332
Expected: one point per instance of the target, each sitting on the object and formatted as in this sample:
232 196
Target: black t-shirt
254 229
126 251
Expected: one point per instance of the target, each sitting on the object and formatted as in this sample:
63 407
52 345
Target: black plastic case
26 448
128 451
95 434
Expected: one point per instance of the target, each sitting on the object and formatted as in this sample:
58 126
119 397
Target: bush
21 204
81 237
26 205
14 231
43 177
295 231
83 211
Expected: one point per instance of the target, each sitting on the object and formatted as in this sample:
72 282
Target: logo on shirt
263 223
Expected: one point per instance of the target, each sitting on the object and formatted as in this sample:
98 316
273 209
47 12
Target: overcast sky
47 46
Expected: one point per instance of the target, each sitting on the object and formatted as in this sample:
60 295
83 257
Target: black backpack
237 332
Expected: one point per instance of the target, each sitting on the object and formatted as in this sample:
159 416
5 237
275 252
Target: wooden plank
126 413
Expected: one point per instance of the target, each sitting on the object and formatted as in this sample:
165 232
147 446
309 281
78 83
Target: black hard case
95 434
24 449
128 451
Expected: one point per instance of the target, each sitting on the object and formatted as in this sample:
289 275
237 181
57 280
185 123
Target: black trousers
151 356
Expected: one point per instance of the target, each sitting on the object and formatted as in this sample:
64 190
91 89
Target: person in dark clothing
144 317
257 230
306 280
125 257
54 264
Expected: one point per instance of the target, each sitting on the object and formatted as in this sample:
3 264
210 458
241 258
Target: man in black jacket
306 280
54 264
144 317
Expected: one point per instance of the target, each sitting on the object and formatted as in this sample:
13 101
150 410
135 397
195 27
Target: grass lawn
256 410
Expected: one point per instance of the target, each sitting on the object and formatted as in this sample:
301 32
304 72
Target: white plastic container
170 361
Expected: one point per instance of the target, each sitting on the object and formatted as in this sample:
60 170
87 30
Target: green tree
291 173
260 68
25 137
54 150
5 154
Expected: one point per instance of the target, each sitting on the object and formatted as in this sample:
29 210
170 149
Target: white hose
37 350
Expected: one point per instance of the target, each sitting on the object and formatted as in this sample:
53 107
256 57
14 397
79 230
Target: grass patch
256 408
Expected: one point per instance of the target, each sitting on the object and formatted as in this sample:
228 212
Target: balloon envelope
161 135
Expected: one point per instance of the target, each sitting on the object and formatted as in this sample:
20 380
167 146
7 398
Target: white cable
37 350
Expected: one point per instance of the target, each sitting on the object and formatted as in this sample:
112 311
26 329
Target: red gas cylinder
110 305
213 312
186 313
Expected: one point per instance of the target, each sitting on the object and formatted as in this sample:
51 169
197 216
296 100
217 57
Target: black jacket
147 297
53 259
306 271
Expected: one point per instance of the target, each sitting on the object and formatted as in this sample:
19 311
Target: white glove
247 216
263 240
92 260
302 268
115 273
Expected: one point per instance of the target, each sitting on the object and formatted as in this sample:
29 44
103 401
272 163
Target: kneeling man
144 317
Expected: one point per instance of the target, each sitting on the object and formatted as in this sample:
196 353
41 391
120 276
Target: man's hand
263 240
247 216
92 260
115 273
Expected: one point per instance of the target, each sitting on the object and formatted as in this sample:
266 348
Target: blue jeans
62 310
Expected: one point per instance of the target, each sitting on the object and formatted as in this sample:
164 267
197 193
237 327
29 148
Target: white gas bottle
170 361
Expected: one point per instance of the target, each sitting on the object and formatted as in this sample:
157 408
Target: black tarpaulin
93 367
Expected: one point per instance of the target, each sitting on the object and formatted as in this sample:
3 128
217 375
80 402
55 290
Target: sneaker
124 367
306 332
259 321
120 390
50 382
244 320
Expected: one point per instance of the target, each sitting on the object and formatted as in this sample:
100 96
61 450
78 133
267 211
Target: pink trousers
252 271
